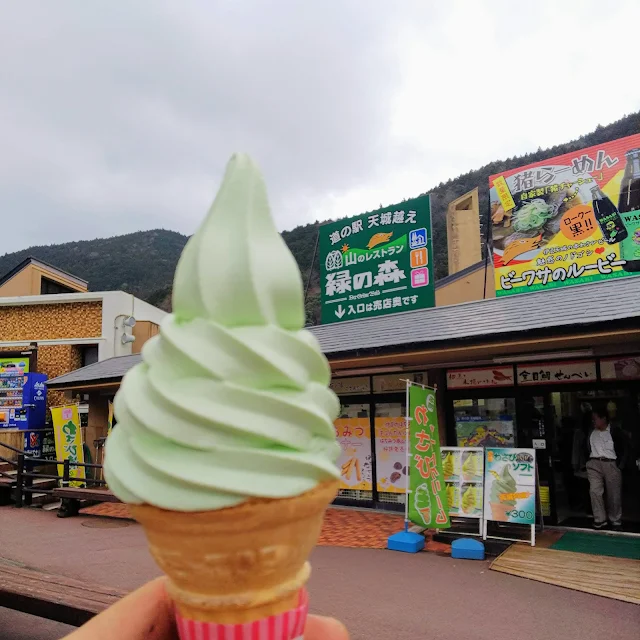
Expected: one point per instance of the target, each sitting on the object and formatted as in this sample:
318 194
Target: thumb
145 614
321 628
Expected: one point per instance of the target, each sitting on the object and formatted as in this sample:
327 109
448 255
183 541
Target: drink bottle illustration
608 218
629 209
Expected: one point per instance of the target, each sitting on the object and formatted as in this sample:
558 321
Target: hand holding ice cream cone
225 448
147 614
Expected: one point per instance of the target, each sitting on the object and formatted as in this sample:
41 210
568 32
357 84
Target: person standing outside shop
607 451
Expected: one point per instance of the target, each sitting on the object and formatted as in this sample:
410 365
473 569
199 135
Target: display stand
406 540
517 466
456 480
485 536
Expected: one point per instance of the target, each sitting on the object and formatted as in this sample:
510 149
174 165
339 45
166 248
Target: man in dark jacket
607 454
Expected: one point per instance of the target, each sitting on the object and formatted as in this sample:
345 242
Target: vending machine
23 399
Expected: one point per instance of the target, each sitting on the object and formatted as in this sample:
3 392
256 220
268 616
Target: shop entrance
561 421
556 422
371 432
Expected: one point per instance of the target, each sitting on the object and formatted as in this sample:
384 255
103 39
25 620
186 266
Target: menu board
463 470
510 485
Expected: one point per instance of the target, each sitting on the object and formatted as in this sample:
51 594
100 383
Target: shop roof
581 305
542 310
41 263
110 370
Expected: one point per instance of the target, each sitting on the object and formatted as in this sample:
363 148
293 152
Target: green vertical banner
427 501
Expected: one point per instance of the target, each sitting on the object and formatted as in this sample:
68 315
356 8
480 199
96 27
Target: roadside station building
49 319
518 371
527 367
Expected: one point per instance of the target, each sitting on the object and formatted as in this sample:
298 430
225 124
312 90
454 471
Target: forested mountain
143 263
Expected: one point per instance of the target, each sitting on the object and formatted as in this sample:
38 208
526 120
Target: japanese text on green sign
377 263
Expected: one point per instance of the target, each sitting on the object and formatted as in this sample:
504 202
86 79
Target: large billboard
377 263
568 220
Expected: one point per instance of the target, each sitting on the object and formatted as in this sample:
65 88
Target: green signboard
427 501
377 263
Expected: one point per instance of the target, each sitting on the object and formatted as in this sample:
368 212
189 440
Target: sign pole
539 497
313 262
406 449
405 540
408 453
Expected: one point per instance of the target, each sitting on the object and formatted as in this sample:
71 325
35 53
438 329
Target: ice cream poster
568 220
463 474
354 437
510 485
391 454
473 431
427 503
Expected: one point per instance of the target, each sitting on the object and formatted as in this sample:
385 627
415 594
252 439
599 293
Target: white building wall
116 307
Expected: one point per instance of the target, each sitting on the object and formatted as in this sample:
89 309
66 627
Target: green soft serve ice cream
503 483
231 399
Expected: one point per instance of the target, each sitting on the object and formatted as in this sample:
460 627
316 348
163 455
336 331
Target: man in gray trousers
607 452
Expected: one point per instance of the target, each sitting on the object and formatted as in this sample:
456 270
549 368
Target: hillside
143 263
139 263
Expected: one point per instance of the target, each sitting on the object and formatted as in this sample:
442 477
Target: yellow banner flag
110 420
68 436
504 195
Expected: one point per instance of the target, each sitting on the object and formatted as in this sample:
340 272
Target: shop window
48 287
485 422
391 453
89 355
353 431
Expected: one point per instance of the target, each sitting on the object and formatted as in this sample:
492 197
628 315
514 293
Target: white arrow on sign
340 311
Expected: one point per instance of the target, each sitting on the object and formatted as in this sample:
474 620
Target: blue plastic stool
467 549
405 541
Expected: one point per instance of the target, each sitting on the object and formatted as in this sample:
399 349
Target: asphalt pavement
379 595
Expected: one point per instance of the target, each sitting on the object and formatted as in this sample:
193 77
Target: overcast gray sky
118 116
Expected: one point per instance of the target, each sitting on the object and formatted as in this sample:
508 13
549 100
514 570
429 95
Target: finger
145 614
321 628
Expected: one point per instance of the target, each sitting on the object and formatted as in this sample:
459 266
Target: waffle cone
241 563
499 511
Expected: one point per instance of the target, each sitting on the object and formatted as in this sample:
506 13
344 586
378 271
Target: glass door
570 422
536 431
